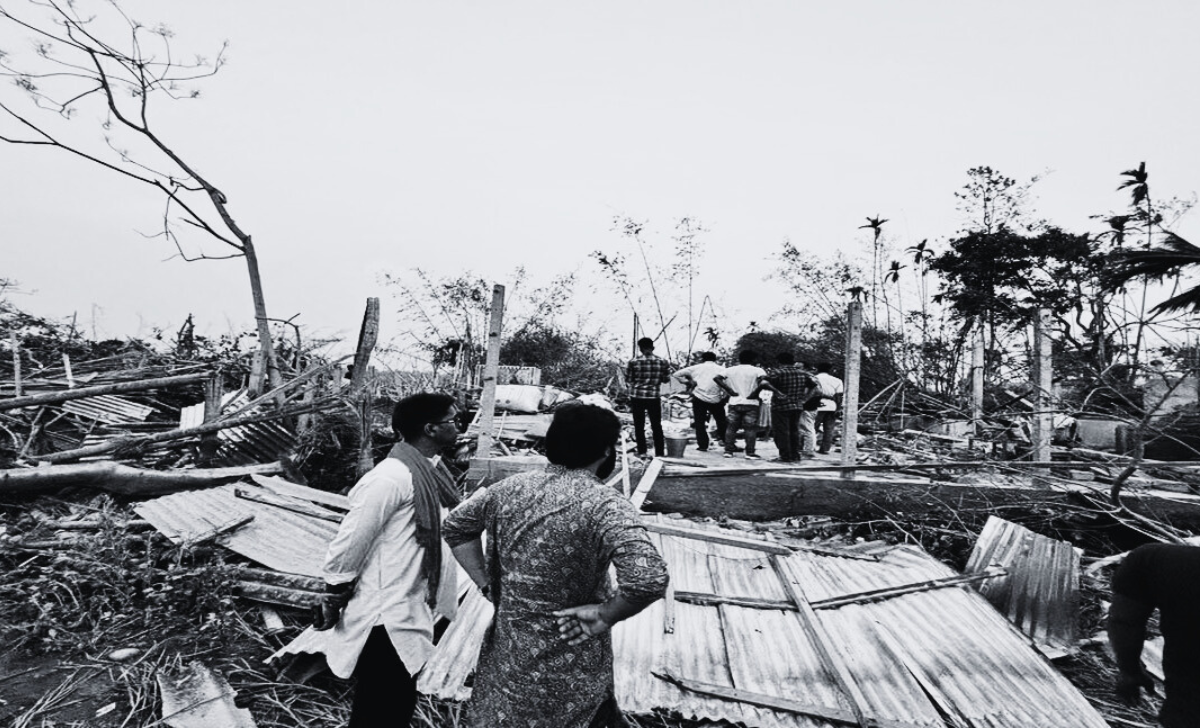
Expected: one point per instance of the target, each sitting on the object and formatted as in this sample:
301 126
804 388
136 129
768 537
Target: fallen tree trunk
122 479
67 395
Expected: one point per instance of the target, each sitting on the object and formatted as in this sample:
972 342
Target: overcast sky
357 138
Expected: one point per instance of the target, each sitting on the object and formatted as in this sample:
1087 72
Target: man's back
743 380
645 374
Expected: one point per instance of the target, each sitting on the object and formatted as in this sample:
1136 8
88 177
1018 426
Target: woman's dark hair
580 433
414 412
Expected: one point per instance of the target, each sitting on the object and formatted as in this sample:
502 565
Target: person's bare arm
1126 634
722 383
470 556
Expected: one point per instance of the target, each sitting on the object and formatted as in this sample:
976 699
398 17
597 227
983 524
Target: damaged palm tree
114 64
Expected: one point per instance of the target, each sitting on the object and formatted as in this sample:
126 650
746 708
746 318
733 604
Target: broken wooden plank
288 504
873 595
647 481
721 537
304 492
216 531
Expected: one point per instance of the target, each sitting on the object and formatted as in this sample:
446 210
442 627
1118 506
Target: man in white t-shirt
707 396
743 383
831 389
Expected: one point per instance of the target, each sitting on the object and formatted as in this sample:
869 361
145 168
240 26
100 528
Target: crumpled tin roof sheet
911 656
108 408
262 442
1040 592
277 538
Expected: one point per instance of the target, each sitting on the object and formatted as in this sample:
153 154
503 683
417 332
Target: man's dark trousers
641 408
827 423
384 686
785 428
700 412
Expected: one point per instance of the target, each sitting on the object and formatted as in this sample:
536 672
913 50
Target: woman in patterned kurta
551 537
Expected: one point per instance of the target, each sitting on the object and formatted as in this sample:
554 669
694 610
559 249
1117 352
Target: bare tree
114 65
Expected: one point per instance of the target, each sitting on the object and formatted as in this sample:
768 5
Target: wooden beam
820 639
491 368
873 595
727 539
67 395
647 481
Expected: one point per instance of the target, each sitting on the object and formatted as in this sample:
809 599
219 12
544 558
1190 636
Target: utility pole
491 367
1043 383
854 315
977 379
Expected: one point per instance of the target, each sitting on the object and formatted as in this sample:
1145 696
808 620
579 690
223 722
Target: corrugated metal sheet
911 656
1040 593
277 538
948 643
263 442
108 408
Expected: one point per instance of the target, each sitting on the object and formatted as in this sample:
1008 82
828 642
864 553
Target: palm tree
1172 256
876 226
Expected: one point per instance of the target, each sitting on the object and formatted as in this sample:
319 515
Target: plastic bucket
676 446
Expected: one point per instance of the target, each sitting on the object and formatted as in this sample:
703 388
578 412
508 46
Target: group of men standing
802 402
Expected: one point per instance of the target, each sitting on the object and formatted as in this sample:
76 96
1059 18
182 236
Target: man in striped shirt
644 375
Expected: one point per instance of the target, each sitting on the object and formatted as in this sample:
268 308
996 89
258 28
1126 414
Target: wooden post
854 322
258 373
491 365
977 380
210 442
368 334
67 368
16 356
1043 383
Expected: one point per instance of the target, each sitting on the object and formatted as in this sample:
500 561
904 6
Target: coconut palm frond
1167 258
1188 300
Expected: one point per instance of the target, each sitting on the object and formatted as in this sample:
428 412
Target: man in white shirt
743 383
831 389
388 574
707 396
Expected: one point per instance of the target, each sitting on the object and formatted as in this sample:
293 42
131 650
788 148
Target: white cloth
376 543
702 374
829 386
742 379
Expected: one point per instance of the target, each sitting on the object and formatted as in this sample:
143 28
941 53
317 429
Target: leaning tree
87 86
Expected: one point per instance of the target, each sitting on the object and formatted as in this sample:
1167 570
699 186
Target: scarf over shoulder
433 487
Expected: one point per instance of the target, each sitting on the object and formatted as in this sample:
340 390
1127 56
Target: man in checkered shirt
792 386
644 375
